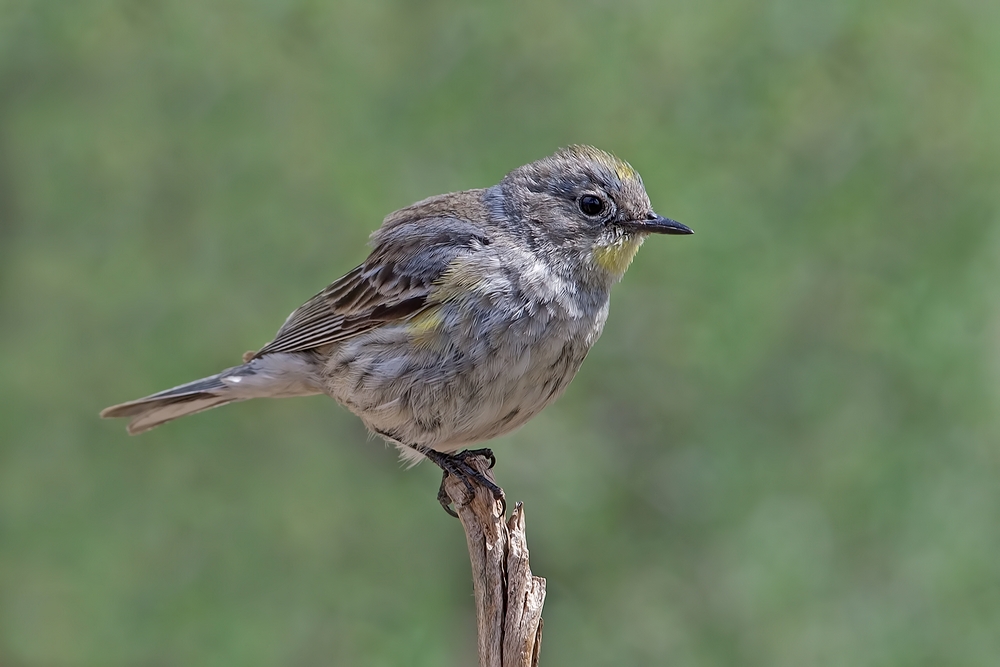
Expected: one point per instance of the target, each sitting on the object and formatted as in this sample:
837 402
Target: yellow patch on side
423 326
457 281
615 258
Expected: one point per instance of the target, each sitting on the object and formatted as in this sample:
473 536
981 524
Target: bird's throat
616 256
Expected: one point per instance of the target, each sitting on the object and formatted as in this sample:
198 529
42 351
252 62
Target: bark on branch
508 598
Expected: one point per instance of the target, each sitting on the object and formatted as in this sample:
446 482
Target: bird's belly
459 390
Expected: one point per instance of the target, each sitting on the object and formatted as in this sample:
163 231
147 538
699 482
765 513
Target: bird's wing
393 284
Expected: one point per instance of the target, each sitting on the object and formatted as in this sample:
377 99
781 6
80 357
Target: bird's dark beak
657 224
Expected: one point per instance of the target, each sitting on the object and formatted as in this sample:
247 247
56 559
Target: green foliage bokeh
783 452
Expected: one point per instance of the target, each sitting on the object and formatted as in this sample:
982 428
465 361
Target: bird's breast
465 370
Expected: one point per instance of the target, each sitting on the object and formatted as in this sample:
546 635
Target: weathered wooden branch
508 598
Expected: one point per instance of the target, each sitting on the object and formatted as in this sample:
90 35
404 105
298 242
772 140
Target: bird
472 312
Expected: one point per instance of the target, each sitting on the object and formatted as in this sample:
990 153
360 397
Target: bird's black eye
591 205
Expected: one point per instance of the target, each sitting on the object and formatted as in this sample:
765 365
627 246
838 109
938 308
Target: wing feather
389 286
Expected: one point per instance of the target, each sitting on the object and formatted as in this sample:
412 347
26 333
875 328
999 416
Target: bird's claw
457 465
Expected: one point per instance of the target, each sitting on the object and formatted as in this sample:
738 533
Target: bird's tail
276 375
167 405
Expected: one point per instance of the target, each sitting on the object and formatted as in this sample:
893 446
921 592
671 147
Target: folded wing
394 284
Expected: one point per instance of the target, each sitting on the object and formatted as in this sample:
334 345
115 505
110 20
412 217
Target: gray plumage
472 313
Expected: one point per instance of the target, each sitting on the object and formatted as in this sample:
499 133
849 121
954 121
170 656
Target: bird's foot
457 464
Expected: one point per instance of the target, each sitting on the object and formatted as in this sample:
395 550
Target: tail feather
161 407
274 375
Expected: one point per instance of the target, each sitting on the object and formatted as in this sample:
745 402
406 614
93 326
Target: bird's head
583 209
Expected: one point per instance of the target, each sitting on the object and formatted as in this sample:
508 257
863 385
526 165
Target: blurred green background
785 450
